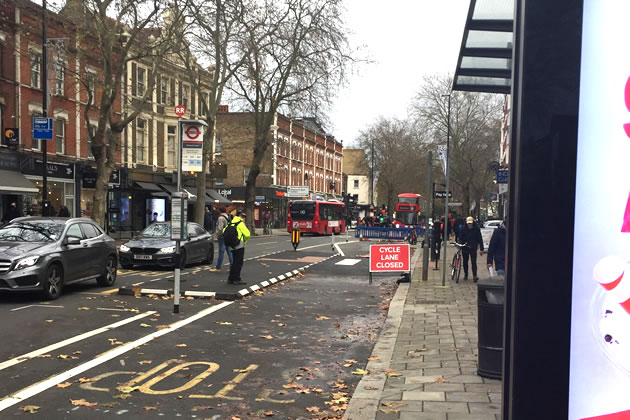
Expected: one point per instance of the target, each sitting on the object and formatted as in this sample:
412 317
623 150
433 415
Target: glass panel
492 81
494 9
70 205
486 63
489 39
69 189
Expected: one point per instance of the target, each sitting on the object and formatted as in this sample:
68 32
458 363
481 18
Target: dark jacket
207 221
437 231
471 237
496 249
11 214
64 212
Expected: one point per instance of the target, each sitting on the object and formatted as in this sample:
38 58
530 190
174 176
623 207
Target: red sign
180 110
392 257
192 132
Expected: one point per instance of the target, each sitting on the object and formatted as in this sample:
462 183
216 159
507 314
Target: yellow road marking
265 396
90 385
146 387
230 386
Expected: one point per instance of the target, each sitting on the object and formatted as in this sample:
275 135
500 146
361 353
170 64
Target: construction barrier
377 232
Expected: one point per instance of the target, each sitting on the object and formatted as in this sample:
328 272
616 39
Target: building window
36 64
140 127
92 131
164 90
60 135
203 106
140 81
171 145
59 76
185 95
218 146
91 83
356 183
245 174
36 144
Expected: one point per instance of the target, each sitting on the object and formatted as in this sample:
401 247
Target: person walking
436 242
12 213
470 235
238 251
496 250
214 218
64 212
207 220
222 222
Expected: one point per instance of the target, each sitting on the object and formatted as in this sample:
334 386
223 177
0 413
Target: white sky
406 39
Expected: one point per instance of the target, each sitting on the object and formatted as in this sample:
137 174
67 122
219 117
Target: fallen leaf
268 337
372 358
30 409
360 372
145 362
64 385
236 418
181 345
77 352
291 384
122 396
49 320
440 380
222 323
350 361
268 413
149 408
84 308
393 374
127 389
322 318
62 356
312 409
83 403
85 380
143 325
44 356
337 325
201 407
370 388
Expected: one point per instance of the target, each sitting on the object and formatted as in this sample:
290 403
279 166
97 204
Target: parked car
47 253
154 247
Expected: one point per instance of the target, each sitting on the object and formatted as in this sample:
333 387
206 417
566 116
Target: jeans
500 272
213 225
235 268
472 253
222 248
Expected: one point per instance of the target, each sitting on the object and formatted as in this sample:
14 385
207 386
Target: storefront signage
301 191
260 198
224 192
392 257
53 169
12 137
89 178
600 306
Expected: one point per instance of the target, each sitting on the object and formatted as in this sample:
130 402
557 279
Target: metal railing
377 232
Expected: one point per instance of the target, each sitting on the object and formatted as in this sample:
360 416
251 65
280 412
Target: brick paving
427 356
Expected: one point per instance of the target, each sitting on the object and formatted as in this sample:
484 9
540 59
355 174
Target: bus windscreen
302 211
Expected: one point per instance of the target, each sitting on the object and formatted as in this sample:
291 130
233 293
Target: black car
45 254
155 247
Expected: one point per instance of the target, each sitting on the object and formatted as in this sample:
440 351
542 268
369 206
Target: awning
193 191
217 198
12 182
161 194
485 57
149 186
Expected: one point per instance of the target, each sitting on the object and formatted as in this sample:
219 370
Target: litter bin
490 306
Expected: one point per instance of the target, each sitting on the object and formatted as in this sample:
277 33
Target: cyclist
471 236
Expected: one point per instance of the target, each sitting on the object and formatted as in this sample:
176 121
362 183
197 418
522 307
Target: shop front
14 187
61 186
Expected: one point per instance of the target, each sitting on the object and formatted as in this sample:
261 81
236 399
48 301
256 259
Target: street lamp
445 233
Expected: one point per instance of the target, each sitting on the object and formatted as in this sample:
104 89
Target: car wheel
126 266
182 258
210 256
53 282
109 276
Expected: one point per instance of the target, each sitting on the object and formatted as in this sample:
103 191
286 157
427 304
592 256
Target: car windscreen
31 232
302 211
157 230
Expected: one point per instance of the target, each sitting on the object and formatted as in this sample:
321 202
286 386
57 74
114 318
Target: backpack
220 232
230 235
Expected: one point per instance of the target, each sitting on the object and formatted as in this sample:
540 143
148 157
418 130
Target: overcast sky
406 39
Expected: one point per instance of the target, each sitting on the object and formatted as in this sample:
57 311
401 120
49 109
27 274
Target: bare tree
297 55
213 36
475 133
124 31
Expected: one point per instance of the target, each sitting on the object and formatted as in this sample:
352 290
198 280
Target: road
288 350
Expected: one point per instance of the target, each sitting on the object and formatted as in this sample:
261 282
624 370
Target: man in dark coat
496 250
207 220
471 236
436 242
12 213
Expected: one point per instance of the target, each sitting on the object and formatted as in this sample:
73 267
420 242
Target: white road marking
273 280
339 250
254 287
199 294
154 291
266 243
348 261
111 309
71 340
244 292
41 306
35 389
327 244
264 283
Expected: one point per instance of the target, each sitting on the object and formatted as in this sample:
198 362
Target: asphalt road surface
292 350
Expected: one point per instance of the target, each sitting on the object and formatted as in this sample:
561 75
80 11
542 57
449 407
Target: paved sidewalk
424 365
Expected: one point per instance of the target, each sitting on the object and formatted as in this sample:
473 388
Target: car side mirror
72 240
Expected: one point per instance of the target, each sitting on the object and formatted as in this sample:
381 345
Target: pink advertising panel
600 314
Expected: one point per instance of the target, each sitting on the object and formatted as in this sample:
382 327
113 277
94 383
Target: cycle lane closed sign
391 257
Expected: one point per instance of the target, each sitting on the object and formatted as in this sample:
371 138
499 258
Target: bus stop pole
182 219
425 248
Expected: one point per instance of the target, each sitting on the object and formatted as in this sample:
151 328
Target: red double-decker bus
319 217
408 208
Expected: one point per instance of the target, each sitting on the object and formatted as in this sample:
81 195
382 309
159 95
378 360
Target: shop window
164 90
59 79
60 135
171 145
36 64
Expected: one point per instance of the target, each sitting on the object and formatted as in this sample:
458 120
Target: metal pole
177 242
445 233
372 175
44 65
425 254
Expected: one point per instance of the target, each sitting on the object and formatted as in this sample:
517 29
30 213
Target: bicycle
456 265
267 228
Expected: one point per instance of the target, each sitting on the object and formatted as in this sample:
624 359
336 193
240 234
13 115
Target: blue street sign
42 128
502 176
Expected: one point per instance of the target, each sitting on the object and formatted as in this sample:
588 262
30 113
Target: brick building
303 154
70 60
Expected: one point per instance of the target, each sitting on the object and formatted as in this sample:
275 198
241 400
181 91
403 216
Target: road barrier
377 232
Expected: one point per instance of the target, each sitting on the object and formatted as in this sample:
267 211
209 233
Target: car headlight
167 250
124 248
26 262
